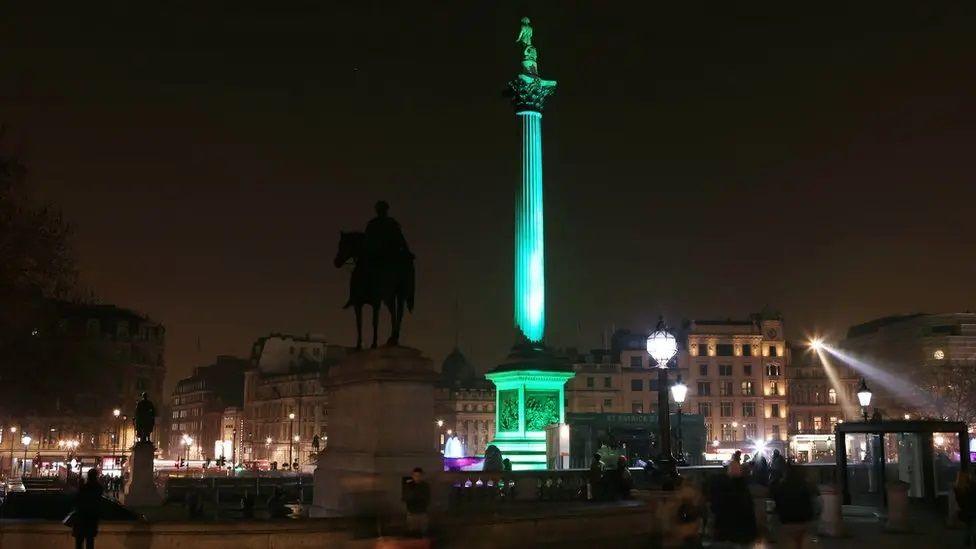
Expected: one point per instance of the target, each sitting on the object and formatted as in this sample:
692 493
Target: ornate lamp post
678 392
291 442
115 440
864 397
187 441
662 346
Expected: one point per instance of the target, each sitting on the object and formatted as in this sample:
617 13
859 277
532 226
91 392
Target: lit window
725 388
748 409
817 423
831 396
747 388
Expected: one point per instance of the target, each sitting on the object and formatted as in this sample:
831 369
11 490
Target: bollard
897 507
831 519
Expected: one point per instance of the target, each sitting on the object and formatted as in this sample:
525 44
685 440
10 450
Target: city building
917 364
822 392
97 358
736 372
286 400
464 405
198 406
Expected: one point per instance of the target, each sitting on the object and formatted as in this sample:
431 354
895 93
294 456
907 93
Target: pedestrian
777 468
734 467
794 498
416 497
683 513
276 504
83 520
507 465
732 508
624 481
965 491
595 478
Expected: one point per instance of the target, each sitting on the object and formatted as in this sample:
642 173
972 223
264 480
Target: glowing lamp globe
26 440
679 390
662 346
864 394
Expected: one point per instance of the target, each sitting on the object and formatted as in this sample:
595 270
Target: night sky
703 162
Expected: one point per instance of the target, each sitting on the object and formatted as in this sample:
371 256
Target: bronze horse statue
373 283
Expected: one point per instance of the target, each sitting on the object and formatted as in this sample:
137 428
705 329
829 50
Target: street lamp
662 346
187 441
25 440
115 442
678 392
864 397
291 445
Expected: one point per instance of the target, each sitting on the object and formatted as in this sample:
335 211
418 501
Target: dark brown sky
700 162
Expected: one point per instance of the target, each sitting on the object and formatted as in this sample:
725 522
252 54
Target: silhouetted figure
622 479
794 498
416 497
194 507
383 272
595 479
507 465
276 505
247 506
777 468
493 460
965 491
87 511
732 508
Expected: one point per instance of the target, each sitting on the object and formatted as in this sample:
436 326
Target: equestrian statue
383 272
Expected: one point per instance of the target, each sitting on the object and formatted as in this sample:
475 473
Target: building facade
736 372
286 400
821 394
99 358
197 409
918 364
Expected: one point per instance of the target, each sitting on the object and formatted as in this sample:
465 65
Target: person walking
794 498
732 508
777 468
87 512
965 491
595 478
416 497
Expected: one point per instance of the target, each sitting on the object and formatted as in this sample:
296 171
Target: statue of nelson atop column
383 272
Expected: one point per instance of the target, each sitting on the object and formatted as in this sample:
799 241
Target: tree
36 265
954 388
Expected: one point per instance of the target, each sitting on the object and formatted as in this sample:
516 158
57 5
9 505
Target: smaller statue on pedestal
144 418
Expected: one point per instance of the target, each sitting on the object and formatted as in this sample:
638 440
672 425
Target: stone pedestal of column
381 426
140 490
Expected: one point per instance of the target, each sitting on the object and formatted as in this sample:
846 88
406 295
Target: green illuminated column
529 92
530 383
530 264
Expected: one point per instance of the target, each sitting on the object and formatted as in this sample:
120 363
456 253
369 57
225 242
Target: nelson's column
530 383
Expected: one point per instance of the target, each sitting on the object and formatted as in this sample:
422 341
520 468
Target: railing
479 489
